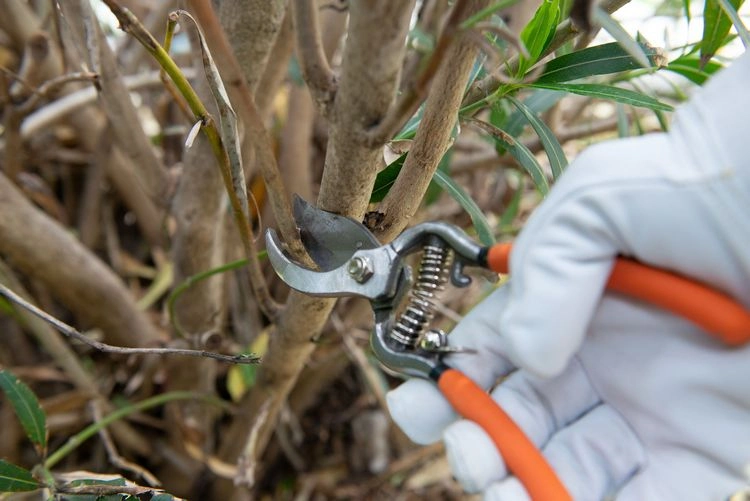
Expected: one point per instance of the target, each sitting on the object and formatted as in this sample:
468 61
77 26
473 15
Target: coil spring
433 273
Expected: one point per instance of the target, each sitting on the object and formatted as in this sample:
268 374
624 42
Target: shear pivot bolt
360 269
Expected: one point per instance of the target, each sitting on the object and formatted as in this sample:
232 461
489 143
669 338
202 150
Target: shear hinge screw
360 269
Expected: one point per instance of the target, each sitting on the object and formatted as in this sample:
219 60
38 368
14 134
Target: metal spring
433 274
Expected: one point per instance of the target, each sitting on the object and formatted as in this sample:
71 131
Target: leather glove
624 399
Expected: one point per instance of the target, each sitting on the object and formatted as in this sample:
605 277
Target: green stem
94 428
194 279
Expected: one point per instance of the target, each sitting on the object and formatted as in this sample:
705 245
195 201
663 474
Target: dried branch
433 135
130 24
251 119
70 103
83 28
38 246
311 54
73 333
276 68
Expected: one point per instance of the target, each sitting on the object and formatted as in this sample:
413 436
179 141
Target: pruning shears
352 262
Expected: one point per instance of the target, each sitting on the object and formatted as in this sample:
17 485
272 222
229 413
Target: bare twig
71 332
114 457
276 68
311 54
264 155
83 28
54 111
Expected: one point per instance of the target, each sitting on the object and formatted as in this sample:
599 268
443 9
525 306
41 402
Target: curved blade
329 238
383 284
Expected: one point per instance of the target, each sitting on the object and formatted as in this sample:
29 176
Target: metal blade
329 238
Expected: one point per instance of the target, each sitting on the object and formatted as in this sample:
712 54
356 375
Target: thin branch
311 54
130 24
73 333
253 123
412 97
94 51
54 111
114 456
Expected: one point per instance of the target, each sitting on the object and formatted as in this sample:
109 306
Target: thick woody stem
370 70
433 135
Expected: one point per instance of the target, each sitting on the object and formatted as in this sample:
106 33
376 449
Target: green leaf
484 232
602 18
598 60
538 33
691 68
552 148
16 479
521 153
731 11
385 179
538 101
623 124
716 26
608 92
27 408
511 211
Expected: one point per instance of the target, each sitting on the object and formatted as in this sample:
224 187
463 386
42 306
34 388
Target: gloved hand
623 398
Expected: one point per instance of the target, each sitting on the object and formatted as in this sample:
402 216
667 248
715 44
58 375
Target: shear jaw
373 274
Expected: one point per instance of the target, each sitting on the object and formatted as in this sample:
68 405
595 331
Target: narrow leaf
230 136
511 211
386 178
691 68
16 479
602 18
484 231
538 101
623 124
520 152
537 34
552 148
27 408
731 12
716 26
598 60
608 92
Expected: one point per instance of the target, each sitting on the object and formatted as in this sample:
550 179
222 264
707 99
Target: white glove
624 399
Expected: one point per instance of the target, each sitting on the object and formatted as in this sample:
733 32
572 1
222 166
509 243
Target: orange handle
715 312
523 459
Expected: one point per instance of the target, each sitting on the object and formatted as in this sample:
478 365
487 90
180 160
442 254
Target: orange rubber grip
521 456
714 311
